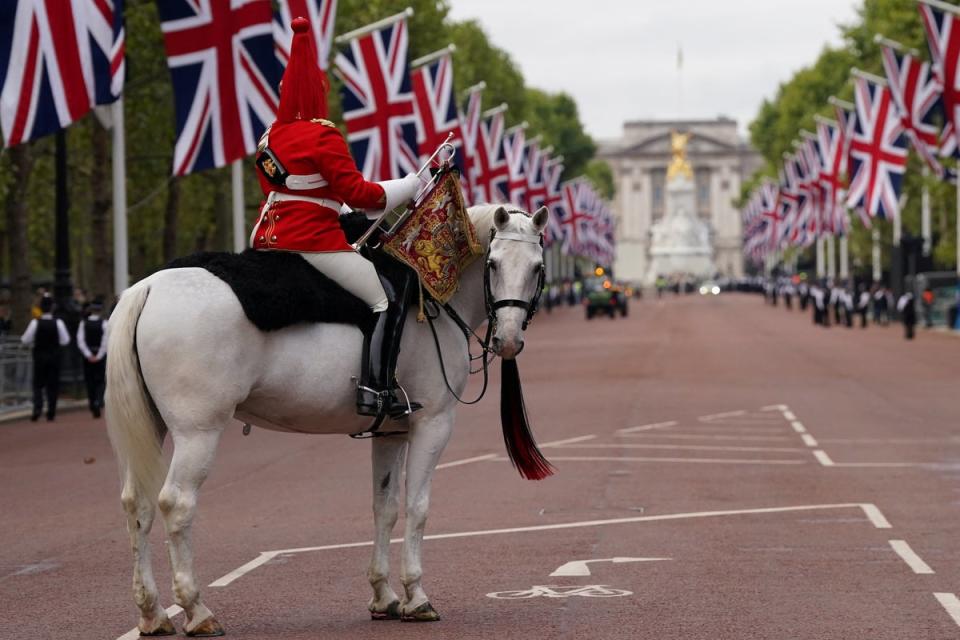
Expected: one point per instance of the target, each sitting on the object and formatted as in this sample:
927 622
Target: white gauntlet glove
397 192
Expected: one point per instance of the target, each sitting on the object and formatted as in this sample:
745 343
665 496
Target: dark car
607 299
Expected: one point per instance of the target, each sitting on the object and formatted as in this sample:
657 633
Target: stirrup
365 408
398 410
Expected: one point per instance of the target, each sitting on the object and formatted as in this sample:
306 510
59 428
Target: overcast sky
618 58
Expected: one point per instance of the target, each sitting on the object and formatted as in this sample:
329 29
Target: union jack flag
769 205
943 40
831 142
793 227
320 13
916 92
378 103
491 173
514 150
436 107
575 215
878 152
470 128
810 163
536 178
554 201
57 60
225 78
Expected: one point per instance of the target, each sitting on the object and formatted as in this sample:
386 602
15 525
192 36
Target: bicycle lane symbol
555 591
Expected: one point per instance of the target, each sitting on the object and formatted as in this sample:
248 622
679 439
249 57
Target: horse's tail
133 424
521 447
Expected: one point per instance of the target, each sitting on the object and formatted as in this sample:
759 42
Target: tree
18 244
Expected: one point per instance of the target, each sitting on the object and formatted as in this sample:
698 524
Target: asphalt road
753 475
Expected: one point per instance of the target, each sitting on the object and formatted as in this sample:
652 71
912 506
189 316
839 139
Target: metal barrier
16 374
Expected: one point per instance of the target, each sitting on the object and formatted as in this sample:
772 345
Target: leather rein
486 354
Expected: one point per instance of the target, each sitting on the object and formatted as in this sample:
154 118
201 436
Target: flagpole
500 108
844 257
430 57
831 258
121 268
373 26
821 271
925 213
239 227
943 6
875 254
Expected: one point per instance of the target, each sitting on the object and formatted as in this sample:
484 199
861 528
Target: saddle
278 289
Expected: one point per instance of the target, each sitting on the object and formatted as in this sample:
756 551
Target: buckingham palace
720 159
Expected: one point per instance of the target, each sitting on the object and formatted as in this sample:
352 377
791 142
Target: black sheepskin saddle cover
278 289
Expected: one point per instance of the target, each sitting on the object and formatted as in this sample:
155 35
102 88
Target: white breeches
354 273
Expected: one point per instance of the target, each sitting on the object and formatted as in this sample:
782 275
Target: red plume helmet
303 93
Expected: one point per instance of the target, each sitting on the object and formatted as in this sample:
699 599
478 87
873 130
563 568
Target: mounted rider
307 173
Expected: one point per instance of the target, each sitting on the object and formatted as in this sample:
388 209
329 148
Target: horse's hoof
392 612
209 628
165 628
423 613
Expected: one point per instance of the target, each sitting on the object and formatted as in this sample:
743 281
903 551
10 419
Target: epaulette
324 122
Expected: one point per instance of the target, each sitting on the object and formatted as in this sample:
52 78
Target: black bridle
530 306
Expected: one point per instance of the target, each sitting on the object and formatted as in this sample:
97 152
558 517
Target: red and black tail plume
521 447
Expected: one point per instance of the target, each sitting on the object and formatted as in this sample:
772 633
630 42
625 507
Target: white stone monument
680 242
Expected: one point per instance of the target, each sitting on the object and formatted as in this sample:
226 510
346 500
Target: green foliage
780 119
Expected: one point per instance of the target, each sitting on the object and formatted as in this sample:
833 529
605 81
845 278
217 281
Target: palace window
658 183
702 181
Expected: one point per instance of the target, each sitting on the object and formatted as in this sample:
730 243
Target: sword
444 146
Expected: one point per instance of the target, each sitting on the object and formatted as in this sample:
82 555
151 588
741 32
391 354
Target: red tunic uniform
306 147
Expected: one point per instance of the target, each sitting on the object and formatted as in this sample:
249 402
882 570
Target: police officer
92 342
47 335
307 173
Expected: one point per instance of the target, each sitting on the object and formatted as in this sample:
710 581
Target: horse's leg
192 458
428 438
387 460
140 512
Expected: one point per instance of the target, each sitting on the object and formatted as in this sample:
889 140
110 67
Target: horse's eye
491 265
538 268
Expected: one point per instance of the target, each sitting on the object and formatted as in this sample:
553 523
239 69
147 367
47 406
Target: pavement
724 470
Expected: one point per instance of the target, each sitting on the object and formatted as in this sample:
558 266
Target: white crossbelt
276 196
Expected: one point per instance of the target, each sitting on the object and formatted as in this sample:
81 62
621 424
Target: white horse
185 359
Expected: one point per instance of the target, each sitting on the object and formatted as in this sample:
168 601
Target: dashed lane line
951 603
909 556
798 426
698 436
689 447
809 440
875 516
492 456
648 427
823 458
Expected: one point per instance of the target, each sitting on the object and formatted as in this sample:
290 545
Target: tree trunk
100 204
170 220
18 244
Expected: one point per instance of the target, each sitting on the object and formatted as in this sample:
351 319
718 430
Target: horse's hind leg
192 458
140 512
387 460
428 438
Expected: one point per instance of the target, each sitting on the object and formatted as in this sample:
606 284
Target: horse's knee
178 508
417 510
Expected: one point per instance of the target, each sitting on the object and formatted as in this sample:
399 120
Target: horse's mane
481 216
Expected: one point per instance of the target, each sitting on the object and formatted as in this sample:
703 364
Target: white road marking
708 428
823 458
457 463
866 507
930 441
560 443
263 558
890 465
681 460
788 414
798 426
877 518
700 436
579 567
134 634
491 456
910 557
951 604
809 440
648 427
697 447
727 414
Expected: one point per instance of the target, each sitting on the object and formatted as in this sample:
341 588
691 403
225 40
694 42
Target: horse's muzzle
507 349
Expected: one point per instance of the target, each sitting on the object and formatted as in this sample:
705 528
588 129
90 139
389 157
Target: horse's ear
540 219
501 218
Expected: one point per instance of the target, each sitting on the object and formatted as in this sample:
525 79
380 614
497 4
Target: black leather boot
377 389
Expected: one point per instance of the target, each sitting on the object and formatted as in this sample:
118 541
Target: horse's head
514 276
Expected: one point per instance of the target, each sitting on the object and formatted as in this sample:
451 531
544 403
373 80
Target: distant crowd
838 303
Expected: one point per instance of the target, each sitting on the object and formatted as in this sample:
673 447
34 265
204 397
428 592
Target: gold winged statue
679 165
